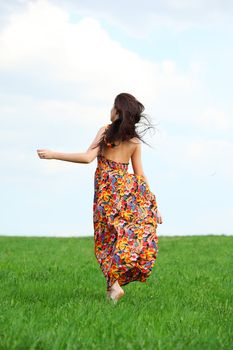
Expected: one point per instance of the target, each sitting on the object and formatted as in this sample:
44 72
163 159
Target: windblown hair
131 119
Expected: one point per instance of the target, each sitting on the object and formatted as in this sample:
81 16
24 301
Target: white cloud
31 34
81 54
81 116
82 57
83 62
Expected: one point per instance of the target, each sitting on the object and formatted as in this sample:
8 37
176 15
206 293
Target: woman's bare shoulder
103 128
135 140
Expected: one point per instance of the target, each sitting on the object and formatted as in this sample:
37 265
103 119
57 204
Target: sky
61 65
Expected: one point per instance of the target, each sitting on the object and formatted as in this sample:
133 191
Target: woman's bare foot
108 294
116 292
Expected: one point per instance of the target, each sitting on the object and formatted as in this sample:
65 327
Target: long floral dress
124 217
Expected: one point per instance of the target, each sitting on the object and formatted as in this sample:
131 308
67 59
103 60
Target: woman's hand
159 217
45 153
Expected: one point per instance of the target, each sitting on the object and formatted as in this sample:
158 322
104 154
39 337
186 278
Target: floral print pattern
124 218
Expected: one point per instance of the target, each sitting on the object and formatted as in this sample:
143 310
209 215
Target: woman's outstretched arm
84 157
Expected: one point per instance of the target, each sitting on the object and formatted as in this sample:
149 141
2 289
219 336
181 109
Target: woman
125 213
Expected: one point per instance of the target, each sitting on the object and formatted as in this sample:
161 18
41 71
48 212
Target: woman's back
123 152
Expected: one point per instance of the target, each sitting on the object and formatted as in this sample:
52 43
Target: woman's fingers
159 218
41 153
45 153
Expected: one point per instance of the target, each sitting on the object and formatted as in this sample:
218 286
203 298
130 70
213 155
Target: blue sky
61 65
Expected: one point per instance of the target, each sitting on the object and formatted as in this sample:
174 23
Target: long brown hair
131 119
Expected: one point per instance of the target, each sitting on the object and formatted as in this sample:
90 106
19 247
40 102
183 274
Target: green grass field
53 296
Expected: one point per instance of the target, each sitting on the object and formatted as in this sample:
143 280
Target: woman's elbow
90 158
